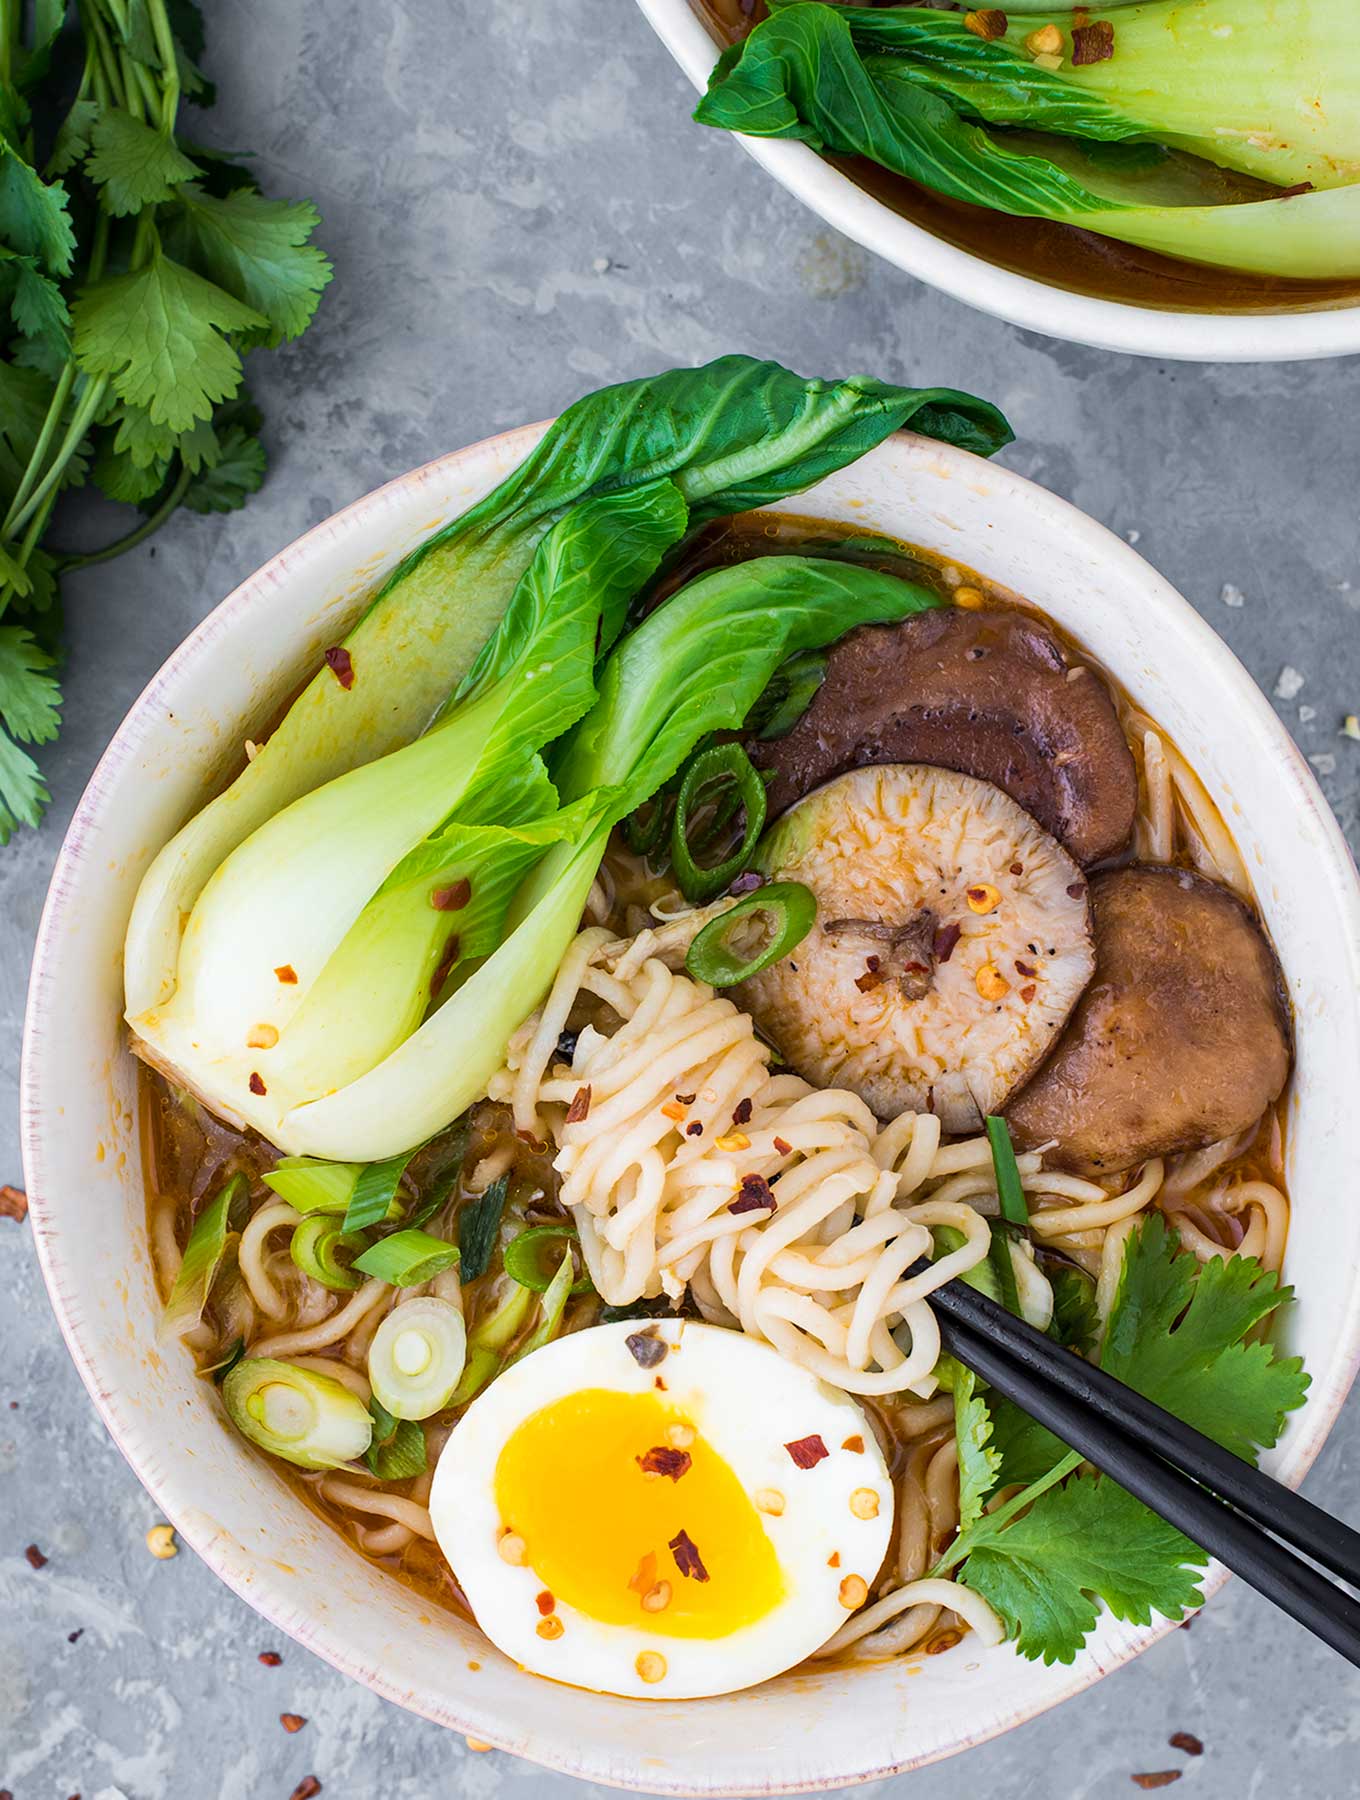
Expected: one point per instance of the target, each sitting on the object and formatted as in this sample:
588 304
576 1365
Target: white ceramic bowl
85 1180
1285 336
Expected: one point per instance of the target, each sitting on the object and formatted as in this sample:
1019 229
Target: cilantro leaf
119 475
979 1463
23 793
35 301
227 483
158 333
72 143
256 249
29 696
1086 1540
25 395
135 164
1176 1334
33 215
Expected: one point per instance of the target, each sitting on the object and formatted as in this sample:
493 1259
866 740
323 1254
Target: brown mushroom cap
989 694
1182 1037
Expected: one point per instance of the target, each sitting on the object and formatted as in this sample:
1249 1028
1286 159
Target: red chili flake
270 1658
341 665
1161 1777
1092 43
13 1203
855 1443
452 899
1024 968
987 23
647 1348
807 1452
871 979
834 1560
446 962
545 1602
1028 993
755 1196
872 964
287 974
1187 1741
307 1789
944 941
256 1083
687 1099
783 1146
74 1637
687 1559
36 1559
747 883
292 1722
662 1460
741 1113
1017 868
659 1384
527 1137
580 1105
1075 890
694 1128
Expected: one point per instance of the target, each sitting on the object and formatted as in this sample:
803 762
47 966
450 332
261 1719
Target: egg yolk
609 1531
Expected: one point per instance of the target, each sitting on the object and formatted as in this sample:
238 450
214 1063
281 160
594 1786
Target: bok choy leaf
732 435
804 74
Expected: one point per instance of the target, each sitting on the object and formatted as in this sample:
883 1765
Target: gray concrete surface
519 210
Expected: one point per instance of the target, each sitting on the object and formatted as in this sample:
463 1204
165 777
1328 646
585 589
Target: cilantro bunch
136 268
1062 1540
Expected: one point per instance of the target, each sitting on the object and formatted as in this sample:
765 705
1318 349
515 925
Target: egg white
749 1404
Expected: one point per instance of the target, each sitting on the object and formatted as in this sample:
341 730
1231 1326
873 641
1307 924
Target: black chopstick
1123 1435
1287 1514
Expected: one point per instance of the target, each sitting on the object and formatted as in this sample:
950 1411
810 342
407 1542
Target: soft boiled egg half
662 1509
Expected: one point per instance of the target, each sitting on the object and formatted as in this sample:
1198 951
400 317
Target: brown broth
1065 256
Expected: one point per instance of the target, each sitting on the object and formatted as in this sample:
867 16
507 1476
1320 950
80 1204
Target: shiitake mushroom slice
1182 1038
988 693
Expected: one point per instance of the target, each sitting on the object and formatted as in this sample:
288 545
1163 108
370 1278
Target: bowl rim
1288 336
40 1116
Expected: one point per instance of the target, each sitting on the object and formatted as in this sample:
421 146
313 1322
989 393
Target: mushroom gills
952 942
1182 1038
988 693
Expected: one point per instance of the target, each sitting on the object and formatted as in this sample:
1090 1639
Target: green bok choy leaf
822 75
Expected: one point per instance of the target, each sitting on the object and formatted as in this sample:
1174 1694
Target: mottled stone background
519 209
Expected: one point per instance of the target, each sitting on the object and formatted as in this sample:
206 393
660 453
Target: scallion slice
325 1251
310 1186
417 1356
791 910
375 1192
407 1258
559 1290
526 1256
722 776
1009 1189
308 1419
488 1339
203 1257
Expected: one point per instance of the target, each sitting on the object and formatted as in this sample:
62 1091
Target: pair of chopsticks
1249 1521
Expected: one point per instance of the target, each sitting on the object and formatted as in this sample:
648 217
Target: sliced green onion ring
325 1250
554 1304
525 1258
308 1419
487 1341
792 911
643 836
416 1359
407 1258
310 1186
203 1257
728 764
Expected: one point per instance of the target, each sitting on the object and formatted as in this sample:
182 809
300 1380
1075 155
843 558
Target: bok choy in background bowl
1176 178
738 435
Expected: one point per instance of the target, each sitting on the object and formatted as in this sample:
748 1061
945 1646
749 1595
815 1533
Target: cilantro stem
85 414
56 407
994 1521
86 559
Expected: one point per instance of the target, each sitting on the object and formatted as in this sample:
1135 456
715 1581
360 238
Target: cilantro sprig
1180 1333
136 270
